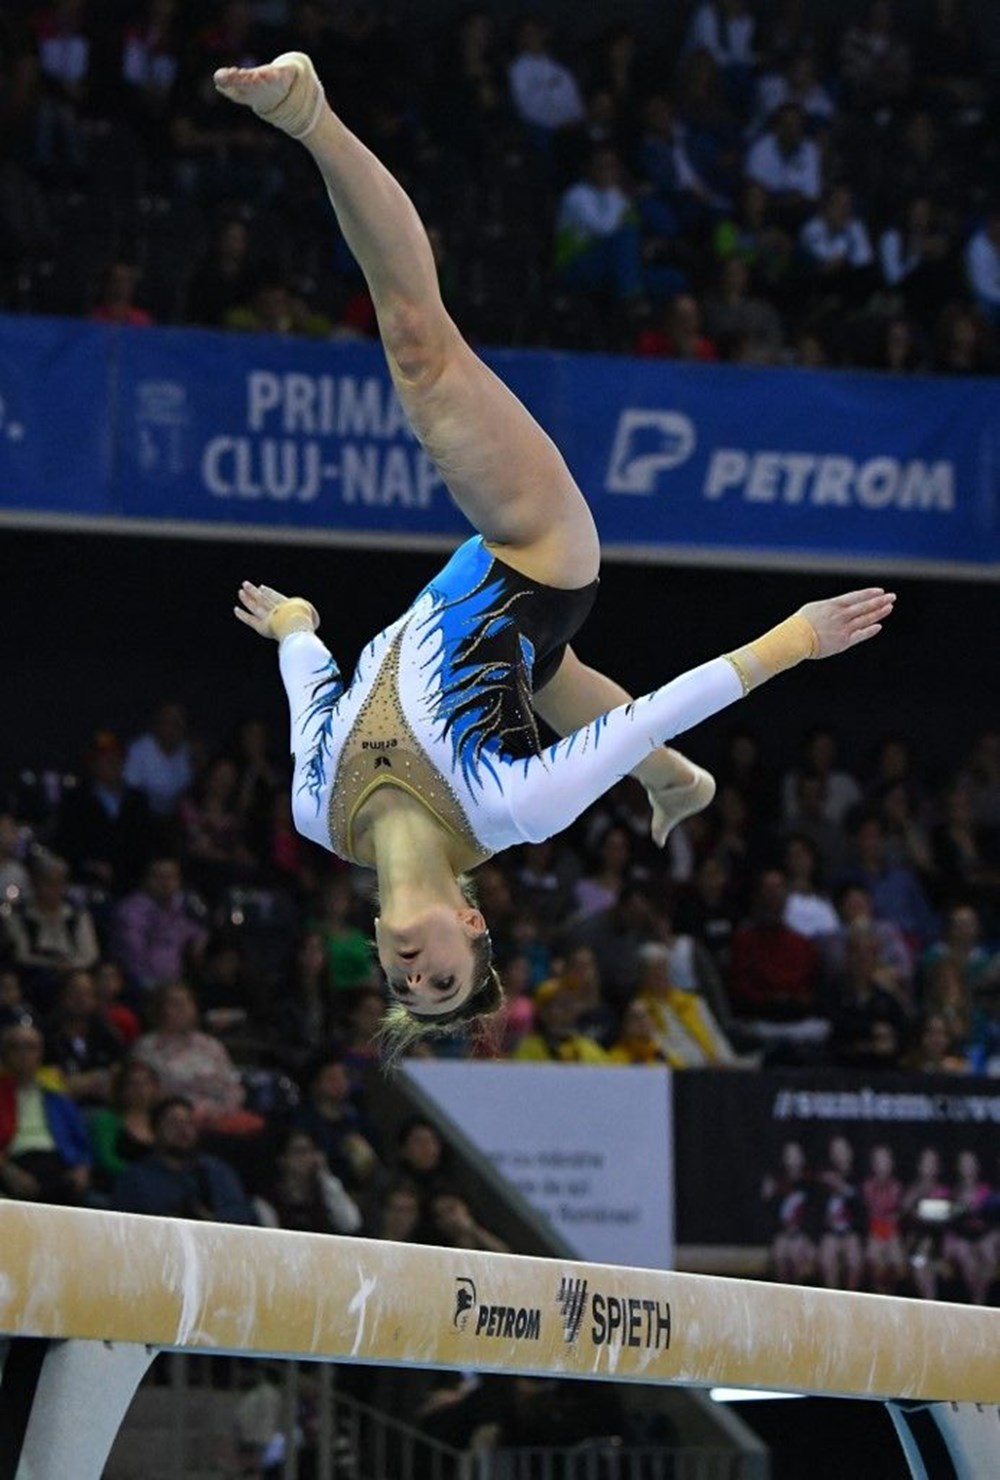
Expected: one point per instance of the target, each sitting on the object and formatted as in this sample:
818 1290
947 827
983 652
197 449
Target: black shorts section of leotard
547 616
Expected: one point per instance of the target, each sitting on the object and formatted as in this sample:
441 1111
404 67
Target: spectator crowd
759 181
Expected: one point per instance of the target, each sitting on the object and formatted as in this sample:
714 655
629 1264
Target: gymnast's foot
272 615
672 802
286 92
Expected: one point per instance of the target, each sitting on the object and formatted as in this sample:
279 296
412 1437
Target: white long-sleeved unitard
435 706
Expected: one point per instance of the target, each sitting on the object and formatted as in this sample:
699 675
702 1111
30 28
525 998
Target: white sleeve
549 791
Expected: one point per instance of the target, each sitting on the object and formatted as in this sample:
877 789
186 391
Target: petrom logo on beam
503 1321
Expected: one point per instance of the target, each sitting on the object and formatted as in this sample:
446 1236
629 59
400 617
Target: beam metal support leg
949 1441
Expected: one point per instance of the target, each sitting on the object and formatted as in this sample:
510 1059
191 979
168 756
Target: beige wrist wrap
785 645
294 615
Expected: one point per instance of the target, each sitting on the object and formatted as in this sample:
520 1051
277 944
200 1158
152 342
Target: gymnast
430 760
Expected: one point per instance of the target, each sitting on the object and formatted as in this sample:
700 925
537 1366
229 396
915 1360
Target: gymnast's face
427 957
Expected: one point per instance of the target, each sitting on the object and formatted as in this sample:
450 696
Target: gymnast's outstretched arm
549 791
576 695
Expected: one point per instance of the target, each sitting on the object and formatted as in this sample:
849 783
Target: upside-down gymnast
430 761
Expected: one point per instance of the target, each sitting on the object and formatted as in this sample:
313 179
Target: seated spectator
80 1041
595 1018
869 1019
709 913
733 316
963 344
334 1123
155 935
837 249
971 1237
159 763
726 28
453 1226
955 977
301 1013
421 1157
898 348
981 774
895 959
788 166
116 304
810 909
274 306
738 840
215 849
122 1130
305 1195
49 934
808 817
675 198
151 62
687 1029
875 61
964 864
773 982
789 1198
518 1012
948 70
396 1213
597 233
601 886
360 1024
799 84
982 266
545 94
555 1037
882 1191
13 1004
546 875
15 881
258 780
109 983
64 47
104 828
45 1153
935 1051
915 256
680 335
616 936
194 1065
896 891
917 161
752 235
638 1041
175 1179
841 791
906 839
843 1219
349 950
224 277
923 1199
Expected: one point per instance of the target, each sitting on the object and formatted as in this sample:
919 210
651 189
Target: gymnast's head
438 964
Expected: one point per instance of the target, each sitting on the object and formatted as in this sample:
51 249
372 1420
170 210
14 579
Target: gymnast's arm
547 792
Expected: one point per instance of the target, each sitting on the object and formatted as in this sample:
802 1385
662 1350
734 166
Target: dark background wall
98 628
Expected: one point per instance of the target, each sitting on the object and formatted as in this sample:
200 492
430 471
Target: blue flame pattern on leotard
317 719
478 667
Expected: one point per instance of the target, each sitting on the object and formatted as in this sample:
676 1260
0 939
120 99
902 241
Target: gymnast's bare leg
502 469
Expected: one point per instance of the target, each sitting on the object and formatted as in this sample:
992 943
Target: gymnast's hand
843 621
272 615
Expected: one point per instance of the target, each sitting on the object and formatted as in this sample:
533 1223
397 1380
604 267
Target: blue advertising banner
261 433
55 433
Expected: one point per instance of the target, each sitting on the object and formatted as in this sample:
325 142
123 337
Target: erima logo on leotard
648 443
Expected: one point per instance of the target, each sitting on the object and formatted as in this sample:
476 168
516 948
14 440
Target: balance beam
168 1285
